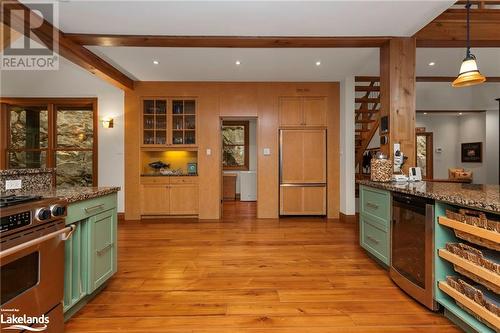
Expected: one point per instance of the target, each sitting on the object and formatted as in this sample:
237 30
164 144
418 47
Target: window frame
52 105
246 125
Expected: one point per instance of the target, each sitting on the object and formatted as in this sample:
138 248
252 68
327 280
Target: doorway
239 167
424 154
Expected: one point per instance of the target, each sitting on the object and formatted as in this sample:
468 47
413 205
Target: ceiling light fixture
432 63
469 73
156 62
425 112
318 63
238 62
460 113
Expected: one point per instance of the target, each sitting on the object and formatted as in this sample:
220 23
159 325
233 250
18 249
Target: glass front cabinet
169 122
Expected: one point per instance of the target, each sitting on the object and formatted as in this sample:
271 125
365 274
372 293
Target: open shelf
470 229
470 304
470 267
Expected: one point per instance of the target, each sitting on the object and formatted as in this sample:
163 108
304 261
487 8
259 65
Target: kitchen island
464 217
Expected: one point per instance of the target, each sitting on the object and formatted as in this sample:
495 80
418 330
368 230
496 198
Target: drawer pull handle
101 251
372 239
93 208
372 205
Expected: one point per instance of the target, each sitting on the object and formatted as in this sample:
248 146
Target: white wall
347 158
492 145
72 81
252 151
450 131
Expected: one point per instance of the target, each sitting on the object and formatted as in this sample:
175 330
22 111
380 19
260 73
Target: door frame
221 147
429 170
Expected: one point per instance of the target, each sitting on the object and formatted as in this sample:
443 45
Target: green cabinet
91 252
375 222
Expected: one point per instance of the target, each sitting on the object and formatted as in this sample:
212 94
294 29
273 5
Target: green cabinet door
103 255
76 265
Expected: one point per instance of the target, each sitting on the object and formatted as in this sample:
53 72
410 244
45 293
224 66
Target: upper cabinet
169 122
302 111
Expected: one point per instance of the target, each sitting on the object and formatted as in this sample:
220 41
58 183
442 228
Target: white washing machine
248 185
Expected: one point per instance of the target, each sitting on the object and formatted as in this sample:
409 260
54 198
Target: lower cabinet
165 196
91 251
375 223
302 200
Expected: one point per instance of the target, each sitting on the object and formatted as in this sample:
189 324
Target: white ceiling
218 64
448 60
250 18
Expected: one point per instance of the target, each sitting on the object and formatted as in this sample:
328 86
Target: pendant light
469 73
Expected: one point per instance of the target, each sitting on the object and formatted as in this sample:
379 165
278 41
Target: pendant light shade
469 74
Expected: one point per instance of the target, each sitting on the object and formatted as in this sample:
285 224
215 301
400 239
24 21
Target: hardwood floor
249 275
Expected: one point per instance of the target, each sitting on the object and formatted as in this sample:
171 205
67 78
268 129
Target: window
235 145
52 133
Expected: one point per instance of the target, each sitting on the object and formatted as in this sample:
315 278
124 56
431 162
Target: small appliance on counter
381 168
415 174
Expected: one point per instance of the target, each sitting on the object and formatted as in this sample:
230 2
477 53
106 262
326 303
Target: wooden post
397 96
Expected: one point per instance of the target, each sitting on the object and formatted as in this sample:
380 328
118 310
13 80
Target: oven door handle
68 231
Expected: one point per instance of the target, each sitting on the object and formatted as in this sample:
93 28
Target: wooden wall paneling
315 111
398 98
262 103
333 150
267 166
291 111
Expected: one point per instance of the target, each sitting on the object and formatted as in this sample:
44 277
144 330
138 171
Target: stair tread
367 99
365 121
367 88
367 110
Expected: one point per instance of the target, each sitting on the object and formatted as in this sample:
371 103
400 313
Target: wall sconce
107 122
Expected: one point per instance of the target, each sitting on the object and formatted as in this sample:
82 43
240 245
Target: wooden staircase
367 99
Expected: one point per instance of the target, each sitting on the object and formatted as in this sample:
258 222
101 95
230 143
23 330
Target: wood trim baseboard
121 216
347 218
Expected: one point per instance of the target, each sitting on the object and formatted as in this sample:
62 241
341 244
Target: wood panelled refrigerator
303 172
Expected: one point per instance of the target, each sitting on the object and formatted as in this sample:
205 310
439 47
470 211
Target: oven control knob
42 214
58 210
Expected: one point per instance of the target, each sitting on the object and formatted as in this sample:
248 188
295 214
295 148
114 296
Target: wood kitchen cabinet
303 156
302 111
169 196
302 200
169 122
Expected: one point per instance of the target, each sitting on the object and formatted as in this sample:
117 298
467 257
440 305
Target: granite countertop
485 197
19 172
79 193
160 175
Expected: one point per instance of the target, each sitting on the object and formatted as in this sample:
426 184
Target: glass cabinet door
154 122
183 122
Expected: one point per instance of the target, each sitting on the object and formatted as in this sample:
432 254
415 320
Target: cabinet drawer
376 204
184 180
375 240
83 209
155 180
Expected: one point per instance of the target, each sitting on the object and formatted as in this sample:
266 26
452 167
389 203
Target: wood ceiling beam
225 41
70 50
449 29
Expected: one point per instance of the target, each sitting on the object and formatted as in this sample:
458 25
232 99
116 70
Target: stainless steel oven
412 246
32 265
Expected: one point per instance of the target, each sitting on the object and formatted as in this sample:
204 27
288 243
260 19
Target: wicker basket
477 219
472 293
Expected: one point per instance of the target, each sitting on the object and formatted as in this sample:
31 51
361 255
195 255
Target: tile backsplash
31 180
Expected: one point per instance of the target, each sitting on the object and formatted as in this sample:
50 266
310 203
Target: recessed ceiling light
238 62
318 63
156 62
432 63
460 113
425 112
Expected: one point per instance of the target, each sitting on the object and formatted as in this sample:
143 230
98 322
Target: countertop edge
99 192
450 199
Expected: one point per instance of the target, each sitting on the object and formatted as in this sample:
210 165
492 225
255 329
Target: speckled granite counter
485 197
75 194
31 179
160 175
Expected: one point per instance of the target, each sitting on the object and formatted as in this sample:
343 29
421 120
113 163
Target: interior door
303 156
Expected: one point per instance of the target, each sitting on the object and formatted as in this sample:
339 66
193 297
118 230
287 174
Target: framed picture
472 152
